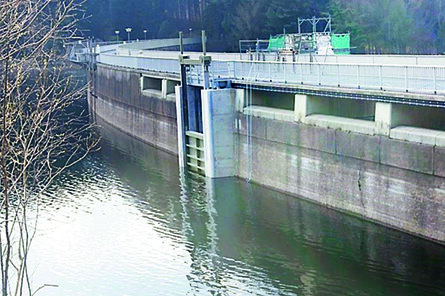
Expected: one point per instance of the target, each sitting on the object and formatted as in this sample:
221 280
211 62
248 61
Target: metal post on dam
199 134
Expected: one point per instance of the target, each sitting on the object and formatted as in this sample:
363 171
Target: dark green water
125 222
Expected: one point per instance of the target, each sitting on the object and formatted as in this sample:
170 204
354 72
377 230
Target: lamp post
190 32
128 30
145 34
117 35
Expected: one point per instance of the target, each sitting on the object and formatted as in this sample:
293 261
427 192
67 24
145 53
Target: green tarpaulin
341 43
276 43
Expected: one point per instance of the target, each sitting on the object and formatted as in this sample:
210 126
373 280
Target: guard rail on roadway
386 77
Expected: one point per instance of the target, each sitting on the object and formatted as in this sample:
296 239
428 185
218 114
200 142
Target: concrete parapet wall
396 183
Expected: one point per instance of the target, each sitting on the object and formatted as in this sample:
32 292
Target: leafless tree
40 133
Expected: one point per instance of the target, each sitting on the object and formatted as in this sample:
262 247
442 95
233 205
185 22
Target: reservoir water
126 222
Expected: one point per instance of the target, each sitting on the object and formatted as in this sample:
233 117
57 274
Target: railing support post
435 79
338 75
270 72
234 70
380 77
406 78
358 76
284 66
301 73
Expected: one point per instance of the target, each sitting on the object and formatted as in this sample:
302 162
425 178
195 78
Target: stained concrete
218 128
146 115
439 162
316 138
407 155
348 178
383 118
358 146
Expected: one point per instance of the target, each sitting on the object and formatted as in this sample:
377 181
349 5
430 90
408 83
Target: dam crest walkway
417 80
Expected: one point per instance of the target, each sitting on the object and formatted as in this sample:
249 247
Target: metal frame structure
252 45
314 21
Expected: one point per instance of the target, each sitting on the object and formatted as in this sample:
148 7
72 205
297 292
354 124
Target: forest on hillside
376 26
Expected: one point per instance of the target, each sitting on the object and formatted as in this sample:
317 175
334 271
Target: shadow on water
243 238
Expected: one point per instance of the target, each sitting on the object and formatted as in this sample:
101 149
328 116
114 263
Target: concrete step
342 123
271 113
419 135
152 93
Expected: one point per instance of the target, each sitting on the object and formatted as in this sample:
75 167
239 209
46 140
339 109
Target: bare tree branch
41 132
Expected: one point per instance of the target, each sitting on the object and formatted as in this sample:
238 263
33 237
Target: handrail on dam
82 51
416 79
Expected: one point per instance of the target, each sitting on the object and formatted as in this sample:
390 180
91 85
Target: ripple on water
119 226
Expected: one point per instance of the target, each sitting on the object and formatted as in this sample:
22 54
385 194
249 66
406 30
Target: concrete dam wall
148 115
390 181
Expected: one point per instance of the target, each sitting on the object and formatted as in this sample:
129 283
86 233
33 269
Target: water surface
125 222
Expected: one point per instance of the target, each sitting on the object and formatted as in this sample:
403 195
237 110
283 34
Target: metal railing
407 60
150 64
253 45
415 79
398 78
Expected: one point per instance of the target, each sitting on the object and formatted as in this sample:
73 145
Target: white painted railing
398 78
415 79
409 60
150 64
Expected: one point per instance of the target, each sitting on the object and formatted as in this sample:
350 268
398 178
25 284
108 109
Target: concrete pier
219 132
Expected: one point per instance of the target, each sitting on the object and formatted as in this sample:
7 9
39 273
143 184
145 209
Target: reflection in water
126 222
